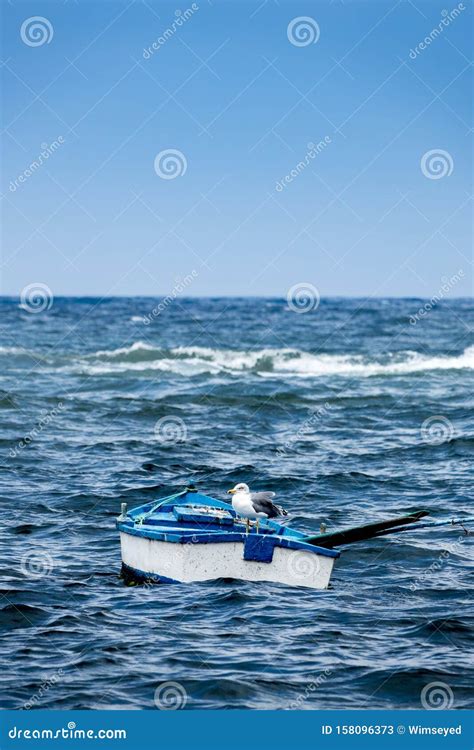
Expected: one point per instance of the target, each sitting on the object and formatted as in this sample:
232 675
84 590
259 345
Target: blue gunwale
162 525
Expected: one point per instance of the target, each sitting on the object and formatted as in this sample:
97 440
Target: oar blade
367 531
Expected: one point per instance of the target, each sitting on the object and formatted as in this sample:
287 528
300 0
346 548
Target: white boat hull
189 562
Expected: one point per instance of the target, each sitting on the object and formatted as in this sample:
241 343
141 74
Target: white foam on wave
13 350
137 346
196 360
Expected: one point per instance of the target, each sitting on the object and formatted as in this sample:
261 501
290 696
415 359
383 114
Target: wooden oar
368 531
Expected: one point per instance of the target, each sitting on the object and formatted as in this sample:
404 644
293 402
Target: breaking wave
196 360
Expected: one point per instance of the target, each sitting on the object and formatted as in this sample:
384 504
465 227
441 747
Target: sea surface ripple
350 412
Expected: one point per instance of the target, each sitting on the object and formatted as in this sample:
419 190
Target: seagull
254 504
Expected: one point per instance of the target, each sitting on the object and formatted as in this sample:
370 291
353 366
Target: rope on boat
448 522
140 519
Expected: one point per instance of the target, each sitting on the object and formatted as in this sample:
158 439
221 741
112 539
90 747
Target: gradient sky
241 103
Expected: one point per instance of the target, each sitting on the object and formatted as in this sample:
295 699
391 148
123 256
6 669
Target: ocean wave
189 361
197 360
12 350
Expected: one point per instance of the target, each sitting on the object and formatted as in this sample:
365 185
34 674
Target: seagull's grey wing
261 496
262 503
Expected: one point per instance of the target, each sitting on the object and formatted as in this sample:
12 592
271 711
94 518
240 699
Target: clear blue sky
230 92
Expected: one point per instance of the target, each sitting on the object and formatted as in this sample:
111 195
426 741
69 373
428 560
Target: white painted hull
187 563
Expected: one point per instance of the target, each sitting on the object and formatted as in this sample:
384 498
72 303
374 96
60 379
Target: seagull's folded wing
262 503
256 496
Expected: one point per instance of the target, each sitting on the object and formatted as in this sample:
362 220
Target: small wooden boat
193 537
190 537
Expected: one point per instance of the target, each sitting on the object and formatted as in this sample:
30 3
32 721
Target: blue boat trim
142 577
182 519
188 513
192 498
259 547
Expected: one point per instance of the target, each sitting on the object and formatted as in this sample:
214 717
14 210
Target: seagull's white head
242 487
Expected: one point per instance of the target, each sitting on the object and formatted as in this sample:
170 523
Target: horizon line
15 297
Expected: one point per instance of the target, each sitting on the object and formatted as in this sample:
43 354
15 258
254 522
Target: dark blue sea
352 412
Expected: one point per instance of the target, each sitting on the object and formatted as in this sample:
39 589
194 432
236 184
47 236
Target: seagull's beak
230 492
